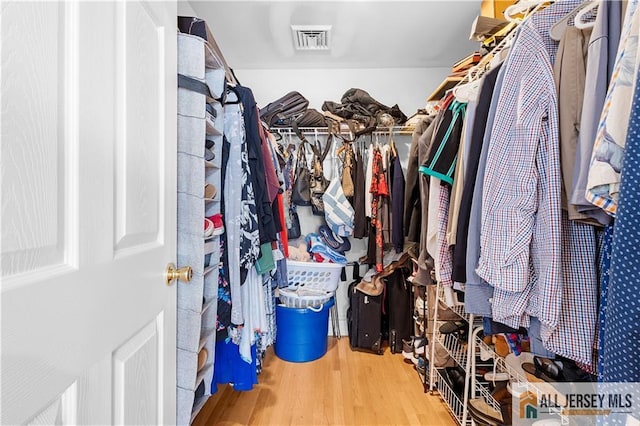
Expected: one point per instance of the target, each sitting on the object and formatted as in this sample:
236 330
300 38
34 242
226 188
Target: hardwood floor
341 388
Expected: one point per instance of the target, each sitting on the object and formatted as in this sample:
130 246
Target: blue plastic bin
302 333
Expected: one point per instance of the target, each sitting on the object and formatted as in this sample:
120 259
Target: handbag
318 183
338 214
300 191
347 169
294 231
285 110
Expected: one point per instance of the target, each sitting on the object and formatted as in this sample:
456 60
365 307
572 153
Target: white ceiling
364 34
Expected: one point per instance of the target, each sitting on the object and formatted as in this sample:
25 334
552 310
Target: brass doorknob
183 274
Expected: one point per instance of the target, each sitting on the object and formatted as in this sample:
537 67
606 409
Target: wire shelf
452 400
483 391
517 378
456 350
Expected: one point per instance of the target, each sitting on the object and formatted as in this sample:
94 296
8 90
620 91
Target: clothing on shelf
526 249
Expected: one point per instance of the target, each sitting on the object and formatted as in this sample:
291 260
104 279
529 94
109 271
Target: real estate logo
528 405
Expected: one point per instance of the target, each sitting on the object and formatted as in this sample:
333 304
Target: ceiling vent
311 37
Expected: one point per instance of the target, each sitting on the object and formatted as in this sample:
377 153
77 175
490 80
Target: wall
407 87
185 9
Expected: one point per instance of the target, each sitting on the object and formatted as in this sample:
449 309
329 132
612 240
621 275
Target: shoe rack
459 352
517 380
200 124
421 321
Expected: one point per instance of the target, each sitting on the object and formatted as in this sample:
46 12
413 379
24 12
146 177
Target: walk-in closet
349 212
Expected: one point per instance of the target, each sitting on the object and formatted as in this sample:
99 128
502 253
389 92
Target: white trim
71 133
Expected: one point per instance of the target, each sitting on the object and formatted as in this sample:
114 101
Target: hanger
522 8
232 89
579 23
466 92
277 135
392 143
557 30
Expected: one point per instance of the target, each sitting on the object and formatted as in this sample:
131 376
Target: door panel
136 387
33 230
141 47
63 411
88 195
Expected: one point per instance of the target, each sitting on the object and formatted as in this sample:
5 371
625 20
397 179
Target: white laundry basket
314 275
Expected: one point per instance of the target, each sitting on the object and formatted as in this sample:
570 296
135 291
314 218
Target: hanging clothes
458 177
412 198
360 220
531 253
521 200
426 264
603 47
237 187
569 73
478 293
621 343
479 114
608 150
257 174
223 314
442 157
397 205
379 191
445 258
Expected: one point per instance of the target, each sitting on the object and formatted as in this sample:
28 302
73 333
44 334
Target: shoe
420 307
450 327
208 227
407 348
543 368
422 369
202 358
210 119
336 242
421 365
210 191
501 346
456 376
484 413
493 376
419 362
218 224
209 155
420 345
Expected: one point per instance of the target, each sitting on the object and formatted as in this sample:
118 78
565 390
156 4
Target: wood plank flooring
341 388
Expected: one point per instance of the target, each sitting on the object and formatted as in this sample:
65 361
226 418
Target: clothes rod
325 131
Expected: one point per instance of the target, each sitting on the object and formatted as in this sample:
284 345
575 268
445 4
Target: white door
88 220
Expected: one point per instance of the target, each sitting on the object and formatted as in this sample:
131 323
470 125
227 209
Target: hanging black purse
300 191
318 183
294 231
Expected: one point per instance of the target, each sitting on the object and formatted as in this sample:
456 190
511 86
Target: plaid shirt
576 333
521 235
445 255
